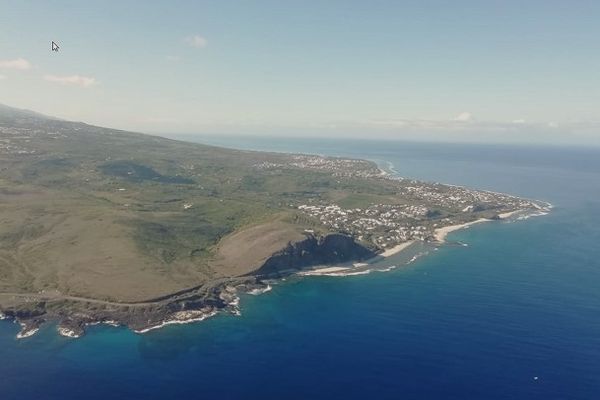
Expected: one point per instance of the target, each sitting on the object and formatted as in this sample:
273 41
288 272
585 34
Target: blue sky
433 70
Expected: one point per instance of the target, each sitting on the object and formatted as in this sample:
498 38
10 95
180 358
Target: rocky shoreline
73 319
187 306
199 303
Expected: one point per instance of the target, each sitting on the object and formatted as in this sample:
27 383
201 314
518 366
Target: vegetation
108 214
83 206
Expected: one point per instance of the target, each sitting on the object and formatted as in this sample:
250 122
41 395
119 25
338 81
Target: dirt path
201 290
40 296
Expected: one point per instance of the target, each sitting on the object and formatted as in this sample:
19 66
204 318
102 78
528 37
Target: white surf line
177 322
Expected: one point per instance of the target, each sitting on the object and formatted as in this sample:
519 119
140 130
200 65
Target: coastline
441 233
229 294
356 268
396 249
181 318
509 214
323 271
27 331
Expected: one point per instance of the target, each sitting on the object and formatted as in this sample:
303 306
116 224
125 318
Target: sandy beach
355 268
441 233
396 249
508 214
324 271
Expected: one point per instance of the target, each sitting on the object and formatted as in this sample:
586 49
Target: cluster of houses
389 224
14 140
460 198
383 224
338 167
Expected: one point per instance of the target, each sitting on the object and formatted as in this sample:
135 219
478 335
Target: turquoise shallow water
521 301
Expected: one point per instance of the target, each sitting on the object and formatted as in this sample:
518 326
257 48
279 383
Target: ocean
513 315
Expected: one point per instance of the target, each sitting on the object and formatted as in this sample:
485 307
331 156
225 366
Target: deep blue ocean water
477 322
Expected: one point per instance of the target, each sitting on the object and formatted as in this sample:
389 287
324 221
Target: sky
485 71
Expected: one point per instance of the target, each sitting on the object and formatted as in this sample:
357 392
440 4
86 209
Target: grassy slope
100 213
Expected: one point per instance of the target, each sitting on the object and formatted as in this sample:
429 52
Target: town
424 207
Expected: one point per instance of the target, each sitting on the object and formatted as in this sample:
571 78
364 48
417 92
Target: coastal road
198 290
51 297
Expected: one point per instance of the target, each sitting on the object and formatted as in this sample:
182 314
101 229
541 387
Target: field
121 216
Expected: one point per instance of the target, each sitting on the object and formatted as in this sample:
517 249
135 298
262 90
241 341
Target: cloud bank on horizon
18 64
75 80
22 64
464 117
466 71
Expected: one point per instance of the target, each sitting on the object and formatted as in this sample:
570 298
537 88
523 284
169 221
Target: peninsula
106 226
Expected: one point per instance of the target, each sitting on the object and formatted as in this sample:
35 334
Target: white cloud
158 120
172 58
18 63
463 117
552 125
196 41
518 121
2 77
76 80
459 124
423 124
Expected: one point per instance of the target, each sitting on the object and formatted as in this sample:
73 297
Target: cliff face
188 305
326 250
